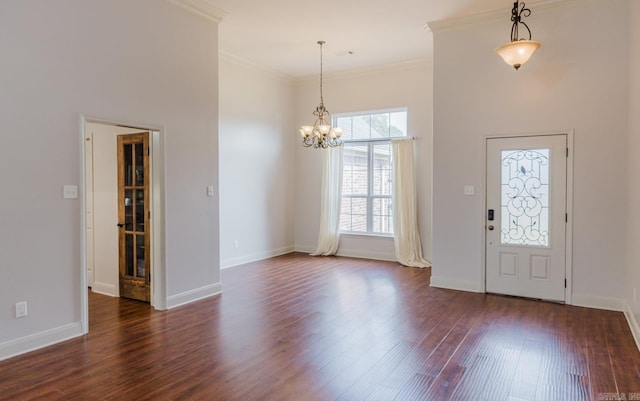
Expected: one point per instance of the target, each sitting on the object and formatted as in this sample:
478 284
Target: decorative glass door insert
525 197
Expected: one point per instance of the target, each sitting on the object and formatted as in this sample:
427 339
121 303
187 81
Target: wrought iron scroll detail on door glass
525 197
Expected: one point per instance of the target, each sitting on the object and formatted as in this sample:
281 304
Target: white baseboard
241 260
455 284
633 323
304 248
104 289
353 253
39 340
367 254
194 295
597 302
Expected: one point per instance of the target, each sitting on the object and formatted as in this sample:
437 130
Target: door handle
490 227
120 225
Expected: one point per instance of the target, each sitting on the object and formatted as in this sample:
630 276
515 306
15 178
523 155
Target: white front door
526 216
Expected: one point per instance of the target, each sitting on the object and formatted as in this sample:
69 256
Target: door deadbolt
490 227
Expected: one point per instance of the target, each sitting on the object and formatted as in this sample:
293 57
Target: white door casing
526 236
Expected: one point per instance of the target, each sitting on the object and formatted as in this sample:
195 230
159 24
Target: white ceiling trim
487 17
202 8
425 63
233 59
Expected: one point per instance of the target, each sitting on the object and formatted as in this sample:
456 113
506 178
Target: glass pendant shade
518 52
305 131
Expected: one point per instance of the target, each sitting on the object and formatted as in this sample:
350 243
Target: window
368 170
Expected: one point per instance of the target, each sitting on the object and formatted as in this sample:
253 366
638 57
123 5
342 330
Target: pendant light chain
321 42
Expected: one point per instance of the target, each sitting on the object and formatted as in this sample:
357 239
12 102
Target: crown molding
233 59
402 66
202 8
488 16
372 70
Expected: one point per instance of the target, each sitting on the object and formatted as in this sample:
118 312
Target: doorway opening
122 215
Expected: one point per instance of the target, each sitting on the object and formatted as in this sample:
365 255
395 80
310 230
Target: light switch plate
21 309
70 192
210 191
469 190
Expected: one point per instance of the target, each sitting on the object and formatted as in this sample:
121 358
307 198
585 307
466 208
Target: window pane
345 123
382 166
355 179
140 253
128 164
359 215
139 164
382 216
139 210
353 214
362 127
525 197
372 126
345 214
398 123
128 256
380 125
128 209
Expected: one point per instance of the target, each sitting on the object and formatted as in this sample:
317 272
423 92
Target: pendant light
321 135
518 51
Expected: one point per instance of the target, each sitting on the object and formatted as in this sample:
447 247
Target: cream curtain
405 208
329 236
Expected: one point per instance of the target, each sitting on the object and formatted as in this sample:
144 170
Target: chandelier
321 135
518 51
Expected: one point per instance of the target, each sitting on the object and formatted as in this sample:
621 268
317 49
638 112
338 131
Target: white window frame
370 142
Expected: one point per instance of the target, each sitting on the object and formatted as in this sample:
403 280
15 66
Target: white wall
632 278
256 163
99 57
408 85
577 80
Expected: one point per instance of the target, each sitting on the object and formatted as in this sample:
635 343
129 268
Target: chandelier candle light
518 51
321 135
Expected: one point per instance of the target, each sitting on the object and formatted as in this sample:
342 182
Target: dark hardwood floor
302 328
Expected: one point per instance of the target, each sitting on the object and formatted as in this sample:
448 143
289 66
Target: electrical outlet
235 244
21 309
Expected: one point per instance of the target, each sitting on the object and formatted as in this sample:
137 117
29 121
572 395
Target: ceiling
281 35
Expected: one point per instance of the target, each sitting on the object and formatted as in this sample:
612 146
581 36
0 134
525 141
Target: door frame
158 238
568 227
